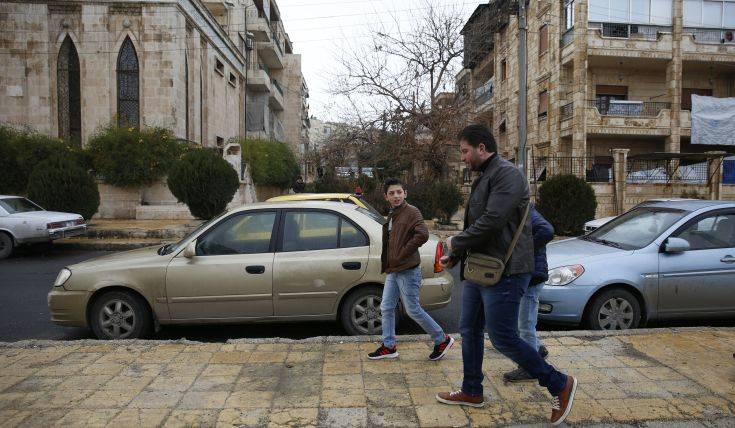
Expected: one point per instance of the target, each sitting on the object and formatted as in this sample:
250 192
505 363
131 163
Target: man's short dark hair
392 182
476 135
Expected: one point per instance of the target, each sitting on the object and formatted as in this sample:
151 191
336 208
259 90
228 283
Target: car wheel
6 245
614 310
360 313
120 315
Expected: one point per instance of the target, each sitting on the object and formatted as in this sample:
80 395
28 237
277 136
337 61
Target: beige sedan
262 262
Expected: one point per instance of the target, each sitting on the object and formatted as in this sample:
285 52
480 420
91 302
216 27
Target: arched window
68 92
128 95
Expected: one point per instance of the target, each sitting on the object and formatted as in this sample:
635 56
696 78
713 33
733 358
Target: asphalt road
27 276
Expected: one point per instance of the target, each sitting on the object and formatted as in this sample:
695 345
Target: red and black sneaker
441 349
383 352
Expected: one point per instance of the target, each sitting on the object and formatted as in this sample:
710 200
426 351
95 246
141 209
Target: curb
586 334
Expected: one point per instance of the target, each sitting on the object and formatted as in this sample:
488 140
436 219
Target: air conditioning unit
728 37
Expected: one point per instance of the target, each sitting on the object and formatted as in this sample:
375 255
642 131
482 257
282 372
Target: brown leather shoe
459 398
561 405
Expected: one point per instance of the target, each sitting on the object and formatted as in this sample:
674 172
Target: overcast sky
320 28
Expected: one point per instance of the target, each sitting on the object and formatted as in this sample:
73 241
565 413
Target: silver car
660 260
24 222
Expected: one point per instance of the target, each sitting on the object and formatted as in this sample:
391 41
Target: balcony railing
484 93
567 38
277 86
567 111
667 169
595 169
714 36
628 108
629 31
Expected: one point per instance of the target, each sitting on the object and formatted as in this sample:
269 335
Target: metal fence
567 37
669 169
632 109
594 169
567 110
627 31
703 35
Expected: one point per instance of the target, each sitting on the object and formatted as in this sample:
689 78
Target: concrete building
296 120
602 74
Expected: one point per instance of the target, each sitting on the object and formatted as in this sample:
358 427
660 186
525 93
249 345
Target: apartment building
602 74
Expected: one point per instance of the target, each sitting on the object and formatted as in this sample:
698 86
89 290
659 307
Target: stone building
602 74
296 120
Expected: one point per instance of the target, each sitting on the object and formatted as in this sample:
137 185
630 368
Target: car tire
6 245
367 321
120 315
615 309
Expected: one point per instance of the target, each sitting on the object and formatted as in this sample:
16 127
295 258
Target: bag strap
517 235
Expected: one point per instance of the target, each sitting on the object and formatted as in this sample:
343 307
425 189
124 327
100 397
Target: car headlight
563 275
63 276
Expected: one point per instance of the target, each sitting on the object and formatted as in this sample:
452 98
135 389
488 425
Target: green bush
440 200
271 163
13 181
62 184
567 202
204 181
128 157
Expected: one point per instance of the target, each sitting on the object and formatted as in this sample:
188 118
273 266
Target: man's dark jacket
543 233
401 245
492 215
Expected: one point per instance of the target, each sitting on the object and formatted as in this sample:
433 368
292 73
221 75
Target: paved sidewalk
667 377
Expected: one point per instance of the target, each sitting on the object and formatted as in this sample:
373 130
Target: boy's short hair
476 135
392 182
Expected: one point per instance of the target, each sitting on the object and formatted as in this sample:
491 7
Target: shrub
448 200
692 194
128 157
204 181
567 202
422 197
62 184
271 163
13 181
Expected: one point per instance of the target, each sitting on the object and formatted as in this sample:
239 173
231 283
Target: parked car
660 260
347 198
24 222
594 224
261 262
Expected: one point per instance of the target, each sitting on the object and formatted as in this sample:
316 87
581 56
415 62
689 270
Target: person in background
299 186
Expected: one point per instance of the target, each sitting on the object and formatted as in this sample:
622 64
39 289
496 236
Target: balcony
276 96
484 94
629 40
708 45
271 53
628 118
259 80
257 23
566 111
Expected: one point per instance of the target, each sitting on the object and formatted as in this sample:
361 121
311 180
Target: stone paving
667 377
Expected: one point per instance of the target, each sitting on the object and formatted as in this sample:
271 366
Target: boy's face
395 195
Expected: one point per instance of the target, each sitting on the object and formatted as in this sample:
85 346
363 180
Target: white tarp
713 120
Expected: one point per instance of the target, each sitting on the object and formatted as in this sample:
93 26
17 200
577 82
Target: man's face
395 195
473 157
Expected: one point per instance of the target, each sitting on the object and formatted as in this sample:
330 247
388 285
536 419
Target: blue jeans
405 285
528 316
496 308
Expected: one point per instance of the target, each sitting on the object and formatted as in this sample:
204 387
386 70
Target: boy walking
403 234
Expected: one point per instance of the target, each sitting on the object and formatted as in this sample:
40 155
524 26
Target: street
27 277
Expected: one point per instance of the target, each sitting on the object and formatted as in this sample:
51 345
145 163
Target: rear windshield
18 205
372 214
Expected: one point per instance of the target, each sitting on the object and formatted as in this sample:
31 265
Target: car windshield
637 228
18 205
170 248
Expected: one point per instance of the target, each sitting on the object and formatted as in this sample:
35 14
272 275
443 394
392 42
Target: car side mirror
676 245
190 250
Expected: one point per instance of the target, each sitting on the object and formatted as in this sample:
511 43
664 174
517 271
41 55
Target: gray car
660 260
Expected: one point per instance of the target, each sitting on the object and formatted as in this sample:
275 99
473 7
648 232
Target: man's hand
447 262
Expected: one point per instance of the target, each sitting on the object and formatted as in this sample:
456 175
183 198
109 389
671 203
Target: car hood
49 216
578 251
132 258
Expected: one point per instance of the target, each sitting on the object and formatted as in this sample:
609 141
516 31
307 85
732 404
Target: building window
128 78
219 67
568 14
709 13
543 39
543 103
686 96
503 70
233 80
655 12
68 92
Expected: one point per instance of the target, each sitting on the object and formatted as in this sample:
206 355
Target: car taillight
438 256
79 221
55 225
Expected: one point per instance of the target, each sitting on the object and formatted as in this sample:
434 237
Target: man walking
496 206
403 234
543 233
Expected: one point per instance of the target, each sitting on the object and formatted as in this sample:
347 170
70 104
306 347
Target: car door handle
352 265
255 270
728 259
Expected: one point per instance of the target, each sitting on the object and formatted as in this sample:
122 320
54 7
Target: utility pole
522 77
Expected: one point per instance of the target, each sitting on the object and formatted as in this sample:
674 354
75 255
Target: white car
24 222
596 223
